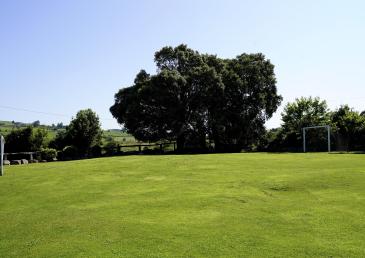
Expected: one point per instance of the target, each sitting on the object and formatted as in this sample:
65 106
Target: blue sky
62 56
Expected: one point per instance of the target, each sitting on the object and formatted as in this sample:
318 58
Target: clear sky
62 56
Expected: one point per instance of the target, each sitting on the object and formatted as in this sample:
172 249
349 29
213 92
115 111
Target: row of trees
347 127
199 98
81 138
26 139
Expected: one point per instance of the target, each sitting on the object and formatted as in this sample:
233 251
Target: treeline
80 139
207 103
26 139
347 128
13 124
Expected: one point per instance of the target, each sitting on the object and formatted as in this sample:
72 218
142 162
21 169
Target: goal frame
315 127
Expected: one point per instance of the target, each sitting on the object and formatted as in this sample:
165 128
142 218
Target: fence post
304 148
329 138
2 150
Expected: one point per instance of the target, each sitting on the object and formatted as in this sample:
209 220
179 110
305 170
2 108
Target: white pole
329 138
303 139
319 126
2 143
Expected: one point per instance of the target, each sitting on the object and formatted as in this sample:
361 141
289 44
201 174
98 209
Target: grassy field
217 205
120 137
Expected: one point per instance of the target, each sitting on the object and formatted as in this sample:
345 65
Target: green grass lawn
217 205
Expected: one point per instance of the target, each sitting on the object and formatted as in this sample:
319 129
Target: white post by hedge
2 143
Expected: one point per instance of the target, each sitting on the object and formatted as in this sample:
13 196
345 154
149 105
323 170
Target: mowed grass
217 205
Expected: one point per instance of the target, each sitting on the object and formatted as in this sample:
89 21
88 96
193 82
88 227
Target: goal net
322 133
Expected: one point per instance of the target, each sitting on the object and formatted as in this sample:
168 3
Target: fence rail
30 153
120 148
161 145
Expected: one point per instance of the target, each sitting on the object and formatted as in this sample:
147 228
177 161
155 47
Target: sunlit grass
226 205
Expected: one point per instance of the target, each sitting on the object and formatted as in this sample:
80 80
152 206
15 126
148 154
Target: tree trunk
180 143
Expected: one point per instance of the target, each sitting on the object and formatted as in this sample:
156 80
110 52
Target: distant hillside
117 134
7 126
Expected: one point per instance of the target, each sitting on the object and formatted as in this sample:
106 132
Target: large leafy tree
304 112
84 131
249 99
350 127
196 96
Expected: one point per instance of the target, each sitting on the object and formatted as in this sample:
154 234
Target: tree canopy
84 130
197 97
26 139
349 126
304 112
83 133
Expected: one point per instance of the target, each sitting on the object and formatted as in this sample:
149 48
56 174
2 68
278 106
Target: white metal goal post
315 127
2 143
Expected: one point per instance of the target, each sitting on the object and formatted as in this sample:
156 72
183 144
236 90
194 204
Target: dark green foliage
95 151
19 140
350 127
39 138
84 133
61 140
273 140
347 128
249 99
70 152
48 154
26 139
304 112
195 98
110 147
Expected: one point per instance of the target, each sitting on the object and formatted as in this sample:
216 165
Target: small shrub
96 151
48 154
111 147
70 152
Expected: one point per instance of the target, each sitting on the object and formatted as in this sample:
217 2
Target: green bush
95 151
26 139
110 147
70 152
48 154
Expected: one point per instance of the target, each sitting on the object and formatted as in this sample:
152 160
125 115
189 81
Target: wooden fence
120 148
139 146
31 154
